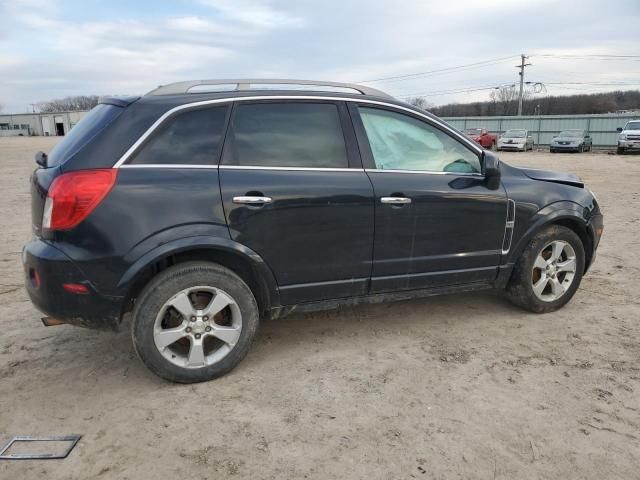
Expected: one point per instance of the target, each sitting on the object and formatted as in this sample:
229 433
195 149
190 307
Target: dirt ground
463 386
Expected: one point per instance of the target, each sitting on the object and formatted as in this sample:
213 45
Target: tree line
504 101
69 104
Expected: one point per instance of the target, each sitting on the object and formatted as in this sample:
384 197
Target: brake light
74 195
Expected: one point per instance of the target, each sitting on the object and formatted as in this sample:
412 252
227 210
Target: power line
469 66
435 93
582 55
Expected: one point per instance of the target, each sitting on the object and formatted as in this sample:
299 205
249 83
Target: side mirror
491 170
619 129
41 159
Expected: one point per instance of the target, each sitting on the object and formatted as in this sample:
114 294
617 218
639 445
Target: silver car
517 139
571 141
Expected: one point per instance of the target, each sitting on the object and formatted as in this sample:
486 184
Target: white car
629 138
517 139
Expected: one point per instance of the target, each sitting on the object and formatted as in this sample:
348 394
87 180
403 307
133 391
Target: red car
482 137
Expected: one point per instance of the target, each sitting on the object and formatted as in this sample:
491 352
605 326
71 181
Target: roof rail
251 84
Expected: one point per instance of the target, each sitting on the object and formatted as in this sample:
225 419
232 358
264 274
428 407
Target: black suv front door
437 223
294 191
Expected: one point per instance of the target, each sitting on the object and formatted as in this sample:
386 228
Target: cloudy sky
52 49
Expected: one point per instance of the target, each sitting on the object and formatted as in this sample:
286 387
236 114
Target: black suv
203 207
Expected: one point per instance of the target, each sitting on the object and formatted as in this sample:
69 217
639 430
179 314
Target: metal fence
602 128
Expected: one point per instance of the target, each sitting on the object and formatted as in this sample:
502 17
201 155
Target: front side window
190 138
286 135
401 142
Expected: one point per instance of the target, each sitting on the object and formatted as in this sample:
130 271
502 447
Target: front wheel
193 322
549 271
620 151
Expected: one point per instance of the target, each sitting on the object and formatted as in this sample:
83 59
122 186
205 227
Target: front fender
552 213
199 242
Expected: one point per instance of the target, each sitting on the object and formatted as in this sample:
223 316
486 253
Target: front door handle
252 200
395 200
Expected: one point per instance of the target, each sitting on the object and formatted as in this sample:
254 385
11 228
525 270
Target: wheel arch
243 261
567 214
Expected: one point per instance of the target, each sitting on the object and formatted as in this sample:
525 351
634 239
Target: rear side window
88 127
286 135
189 138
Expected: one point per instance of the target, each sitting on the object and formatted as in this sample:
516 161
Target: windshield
473 131
571 133
515 134
632 126
91 124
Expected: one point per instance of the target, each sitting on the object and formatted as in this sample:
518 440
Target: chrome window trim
168 165
120 163
295 169
427 172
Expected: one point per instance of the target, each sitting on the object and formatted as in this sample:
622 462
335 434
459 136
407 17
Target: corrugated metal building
602 128
46 124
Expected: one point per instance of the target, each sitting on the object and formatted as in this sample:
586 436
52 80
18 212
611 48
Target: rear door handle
395 200
252 200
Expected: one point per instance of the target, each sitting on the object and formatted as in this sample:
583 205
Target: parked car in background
482 137
629 138
515 139
571 141
204 213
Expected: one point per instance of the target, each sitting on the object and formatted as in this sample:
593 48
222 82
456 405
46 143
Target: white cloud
256 13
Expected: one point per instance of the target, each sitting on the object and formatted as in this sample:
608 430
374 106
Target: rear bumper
54 268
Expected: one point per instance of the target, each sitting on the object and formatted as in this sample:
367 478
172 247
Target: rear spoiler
118 101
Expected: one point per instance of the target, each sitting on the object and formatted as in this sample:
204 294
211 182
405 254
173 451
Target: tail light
74 195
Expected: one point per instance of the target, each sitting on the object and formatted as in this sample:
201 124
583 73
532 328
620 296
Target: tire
620 151
520 289
551 150
581 149
193 286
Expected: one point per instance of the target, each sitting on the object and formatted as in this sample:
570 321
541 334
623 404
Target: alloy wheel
197 327
553 271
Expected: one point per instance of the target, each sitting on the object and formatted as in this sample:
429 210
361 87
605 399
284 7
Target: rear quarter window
189 138
87 128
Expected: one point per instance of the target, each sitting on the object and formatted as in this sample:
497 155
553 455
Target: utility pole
523 57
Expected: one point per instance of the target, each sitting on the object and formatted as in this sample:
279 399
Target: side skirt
278 312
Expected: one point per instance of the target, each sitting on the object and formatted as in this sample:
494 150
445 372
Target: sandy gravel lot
463 386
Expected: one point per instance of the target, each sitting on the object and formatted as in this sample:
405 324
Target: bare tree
505 100
420 102
69 104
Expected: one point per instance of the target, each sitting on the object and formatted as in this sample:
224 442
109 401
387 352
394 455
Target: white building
42 124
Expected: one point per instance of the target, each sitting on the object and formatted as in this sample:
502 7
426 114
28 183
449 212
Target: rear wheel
194 322
549 271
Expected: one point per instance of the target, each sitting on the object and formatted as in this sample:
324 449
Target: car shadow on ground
93 355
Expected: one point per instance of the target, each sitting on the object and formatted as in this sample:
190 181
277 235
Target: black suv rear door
437 223
294 191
